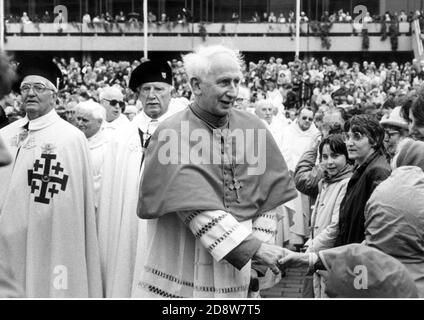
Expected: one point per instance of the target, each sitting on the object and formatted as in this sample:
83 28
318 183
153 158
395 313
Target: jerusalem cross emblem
46 177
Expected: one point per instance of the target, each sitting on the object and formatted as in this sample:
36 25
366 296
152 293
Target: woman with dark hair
364 142
334 161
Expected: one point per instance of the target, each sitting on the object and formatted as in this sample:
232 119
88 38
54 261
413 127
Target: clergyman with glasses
47 222
112 99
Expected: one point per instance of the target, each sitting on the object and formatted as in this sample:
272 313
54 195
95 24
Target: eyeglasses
305 117
37 88
114 102
354 136
390 133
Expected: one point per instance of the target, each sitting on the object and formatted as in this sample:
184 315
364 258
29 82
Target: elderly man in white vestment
90 118
47 221
121 233
297 137
211 212
112 99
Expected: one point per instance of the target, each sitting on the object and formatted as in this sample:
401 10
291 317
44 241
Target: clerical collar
144 122
209 118
41 122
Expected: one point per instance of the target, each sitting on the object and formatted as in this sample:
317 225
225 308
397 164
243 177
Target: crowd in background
358 87
185 16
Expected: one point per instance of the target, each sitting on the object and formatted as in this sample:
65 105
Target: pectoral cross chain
235 186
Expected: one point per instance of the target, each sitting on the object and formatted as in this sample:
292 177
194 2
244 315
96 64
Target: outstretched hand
269 255
293 260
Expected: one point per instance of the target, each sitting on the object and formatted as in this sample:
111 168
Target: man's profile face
87 123
155 98
39 99
219 89
305 119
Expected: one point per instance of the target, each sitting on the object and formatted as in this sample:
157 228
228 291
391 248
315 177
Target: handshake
278 258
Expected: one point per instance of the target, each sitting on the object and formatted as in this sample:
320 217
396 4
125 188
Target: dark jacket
359 189
307 175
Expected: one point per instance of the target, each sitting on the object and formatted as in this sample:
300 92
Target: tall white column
297 29
145 26
1 25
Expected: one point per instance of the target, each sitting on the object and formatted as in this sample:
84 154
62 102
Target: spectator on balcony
292 17
235 17
303 17
163 18
367 18
46 18
402 16
281 18
265 17
272 18
86 18
187 15
96 19
25 19
181 19
109 18
151 17
121 17
348 17
341 16
256 17
325 17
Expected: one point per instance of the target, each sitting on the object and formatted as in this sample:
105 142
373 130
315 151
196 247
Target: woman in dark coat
364 142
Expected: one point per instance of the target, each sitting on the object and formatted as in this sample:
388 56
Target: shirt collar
41 122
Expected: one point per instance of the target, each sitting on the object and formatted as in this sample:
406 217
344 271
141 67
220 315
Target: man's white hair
93 108
198 63
264 103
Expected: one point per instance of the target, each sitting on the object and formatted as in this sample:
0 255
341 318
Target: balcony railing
212 29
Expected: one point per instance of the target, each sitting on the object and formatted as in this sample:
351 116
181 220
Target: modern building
209 21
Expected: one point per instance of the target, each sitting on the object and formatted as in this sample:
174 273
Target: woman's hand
293 260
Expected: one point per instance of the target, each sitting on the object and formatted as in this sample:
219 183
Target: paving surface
290 286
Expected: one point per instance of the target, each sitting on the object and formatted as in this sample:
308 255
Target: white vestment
119 123
98 144
47 222
118 225
295 143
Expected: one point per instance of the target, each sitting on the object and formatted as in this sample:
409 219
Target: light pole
145 26
297 29
2 24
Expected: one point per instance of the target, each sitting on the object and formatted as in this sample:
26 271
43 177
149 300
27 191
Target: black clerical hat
38 66
150 71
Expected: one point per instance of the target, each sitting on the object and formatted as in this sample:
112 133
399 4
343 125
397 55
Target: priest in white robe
121 233
90 118
297 137
112 99
47 221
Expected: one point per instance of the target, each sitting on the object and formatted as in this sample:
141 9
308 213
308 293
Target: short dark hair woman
364 142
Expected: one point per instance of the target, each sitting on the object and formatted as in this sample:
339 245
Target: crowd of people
185 16
104 177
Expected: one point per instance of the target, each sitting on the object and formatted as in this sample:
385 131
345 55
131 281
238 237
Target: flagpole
297 29
145 26
2 25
